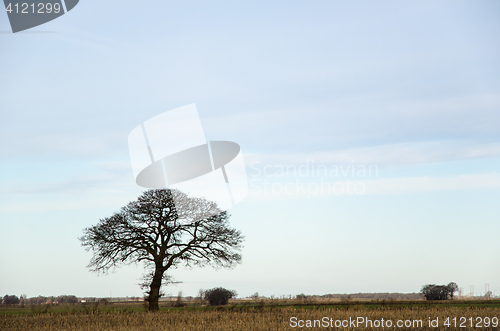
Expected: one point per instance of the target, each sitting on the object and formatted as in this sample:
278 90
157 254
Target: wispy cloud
107 183
384 155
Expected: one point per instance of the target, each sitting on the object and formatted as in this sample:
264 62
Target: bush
179 302
219 296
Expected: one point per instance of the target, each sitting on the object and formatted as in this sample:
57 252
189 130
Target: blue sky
409 87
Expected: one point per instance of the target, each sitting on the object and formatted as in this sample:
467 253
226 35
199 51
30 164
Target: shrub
179 302
219 296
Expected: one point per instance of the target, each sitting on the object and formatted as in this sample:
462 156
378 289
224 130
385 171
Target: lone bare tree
163 229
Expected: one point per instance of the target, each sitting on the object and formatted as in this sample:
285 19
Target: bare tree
439 292
163 235
201 294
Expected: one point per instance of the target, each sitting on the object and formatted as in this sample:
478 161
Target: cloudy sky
370 131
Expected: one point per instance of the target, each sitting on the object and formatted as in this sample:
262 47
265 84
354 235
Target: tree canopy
219 296
163 229
439 292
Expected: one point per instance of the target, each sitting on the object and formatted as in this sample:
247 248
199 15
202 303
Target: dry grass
236 319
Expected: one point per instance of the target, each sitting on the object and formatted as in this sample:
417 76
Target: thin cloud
386 155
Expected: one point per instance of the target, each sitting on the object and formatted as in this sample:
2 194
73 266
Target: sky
370 133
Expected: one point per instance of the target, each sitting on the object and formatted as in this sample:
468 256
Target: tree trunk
154 291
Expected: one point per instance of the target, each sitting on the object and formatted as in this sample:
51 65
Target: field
276 315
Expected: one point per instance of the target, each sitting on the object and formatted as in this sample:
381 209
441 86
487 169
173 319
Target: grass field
260 316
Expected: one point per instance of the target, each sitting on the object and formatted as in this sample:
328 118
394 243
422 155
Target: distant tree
178 301
219 296
67 299
23 299
439 292
452 288
301 296
39 300
162 234
10 300
200 297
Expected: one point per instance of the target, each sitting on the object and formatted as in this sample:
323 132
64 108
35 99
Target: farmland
263 315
